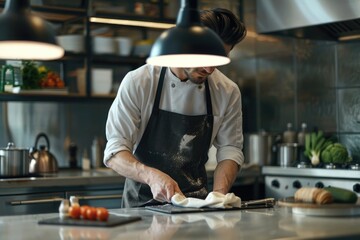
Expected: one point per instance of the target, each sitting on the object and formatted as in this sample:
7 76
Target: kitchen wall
285 80
63 123
282 80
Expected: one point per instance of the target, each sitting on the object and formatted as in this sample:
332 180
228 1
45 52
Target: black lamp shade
26 36
189 44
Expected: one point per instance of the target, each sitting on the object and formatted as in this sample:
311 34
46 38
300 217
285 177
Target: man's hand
163 187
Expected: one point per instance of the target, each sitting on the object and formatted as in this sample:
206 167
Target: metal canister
258 148
287 154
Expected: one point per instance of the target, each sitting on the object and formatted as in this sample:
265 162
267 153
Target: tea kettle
42 161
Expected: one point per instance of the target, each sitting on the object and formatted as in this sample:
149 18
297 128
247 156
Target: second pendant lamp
189 44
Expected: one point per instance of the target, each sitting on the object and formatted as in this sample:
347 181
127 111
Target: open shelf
79 15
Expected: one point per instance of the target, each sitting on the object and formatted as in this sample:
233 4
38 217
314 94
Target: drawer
98 198
30 203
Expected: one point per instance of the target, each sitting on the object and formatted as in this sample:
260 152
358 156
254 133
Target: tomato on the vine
91 213
102 213
74 212
83 210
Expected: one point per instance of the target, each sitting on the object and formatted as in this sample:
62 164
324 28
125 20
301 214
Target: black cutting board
111 222
171 209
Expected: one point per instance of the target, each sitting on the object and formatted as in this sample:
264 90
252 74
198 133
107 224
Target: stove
281 182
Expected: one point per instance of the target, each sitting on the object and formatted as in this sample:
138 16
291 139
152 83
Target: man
164 120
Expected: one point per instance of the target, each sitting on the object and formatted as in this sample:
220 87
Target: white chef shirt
129 113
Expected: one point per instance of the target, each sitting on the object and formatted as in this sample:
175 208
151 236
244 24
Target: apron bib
177 145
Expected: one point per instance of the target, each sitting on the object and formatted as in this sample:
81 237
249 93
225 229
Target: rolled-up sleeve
229 136
122 125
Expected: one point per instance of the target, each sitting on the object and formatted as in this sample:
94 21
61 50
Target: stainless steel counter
311 172
67 177
277 223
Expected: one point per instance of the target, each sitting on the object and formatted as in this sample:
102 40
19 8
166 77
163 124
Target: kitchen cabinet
43 193
77 18
47 199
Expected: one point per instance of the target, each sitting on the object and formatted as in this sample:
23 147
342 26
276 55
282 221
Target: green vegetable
341 195
335 153
31 75
315 142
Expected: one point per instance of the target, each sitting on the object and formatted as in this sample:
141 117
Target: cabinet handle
35 201
99 197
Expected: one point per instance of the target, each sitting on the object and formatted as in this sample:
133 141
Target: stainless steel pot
42 160
14 162
288 154
258 148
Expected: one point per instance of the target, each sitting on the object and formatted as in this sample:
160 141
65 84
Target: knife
265 201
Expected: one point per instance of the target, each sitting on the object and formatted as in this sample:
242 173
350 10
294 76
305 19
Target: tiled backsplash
283 80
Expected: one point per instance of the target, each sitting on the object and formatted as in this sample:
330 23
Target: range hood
333 20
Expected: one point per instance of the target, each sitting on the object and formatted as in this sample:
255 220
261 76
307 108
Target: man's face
199 75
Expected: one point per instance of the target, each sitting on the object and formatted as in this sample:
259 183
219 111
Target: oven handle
36 201
57 199
99 197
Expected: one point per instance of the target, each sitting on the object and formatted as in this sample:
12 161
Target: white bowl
104 45
101 80
124 46
72 43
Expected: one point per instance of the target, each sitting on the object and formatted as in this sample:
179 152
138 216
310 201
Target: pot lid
11 147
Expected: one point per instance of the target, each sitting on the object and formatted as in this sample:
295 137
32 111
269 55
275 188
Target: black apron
177 145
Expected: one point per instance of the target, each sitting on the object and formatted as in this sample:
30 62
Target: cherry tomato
60 84
102 213
50 82
91 213
74 212
83 210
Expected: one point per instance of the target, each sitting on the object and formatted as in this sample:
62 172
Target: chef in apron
161 126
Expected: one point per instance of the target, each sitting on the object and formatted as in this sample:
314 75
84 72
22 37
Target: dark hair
223 22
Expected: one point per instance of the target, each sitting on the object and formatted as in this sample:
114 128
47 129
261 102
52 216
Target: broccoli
335 153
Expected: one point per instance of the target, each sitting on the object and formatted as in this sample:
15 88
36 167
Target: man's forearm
128 166
225 175
163 187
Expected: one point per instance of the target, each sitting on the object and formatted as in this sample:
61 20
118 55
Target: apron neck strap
159 88
208 98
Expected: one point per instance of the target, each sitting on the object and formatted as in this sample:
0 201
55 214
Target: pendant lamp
189 44
26 36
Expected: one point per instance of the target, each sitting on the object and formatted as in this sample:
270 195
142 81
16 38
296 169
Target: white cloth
213 200
129 113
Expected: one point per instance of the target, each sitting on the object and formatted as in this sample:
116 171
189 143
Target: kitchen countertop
277 223
101 176
65 177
